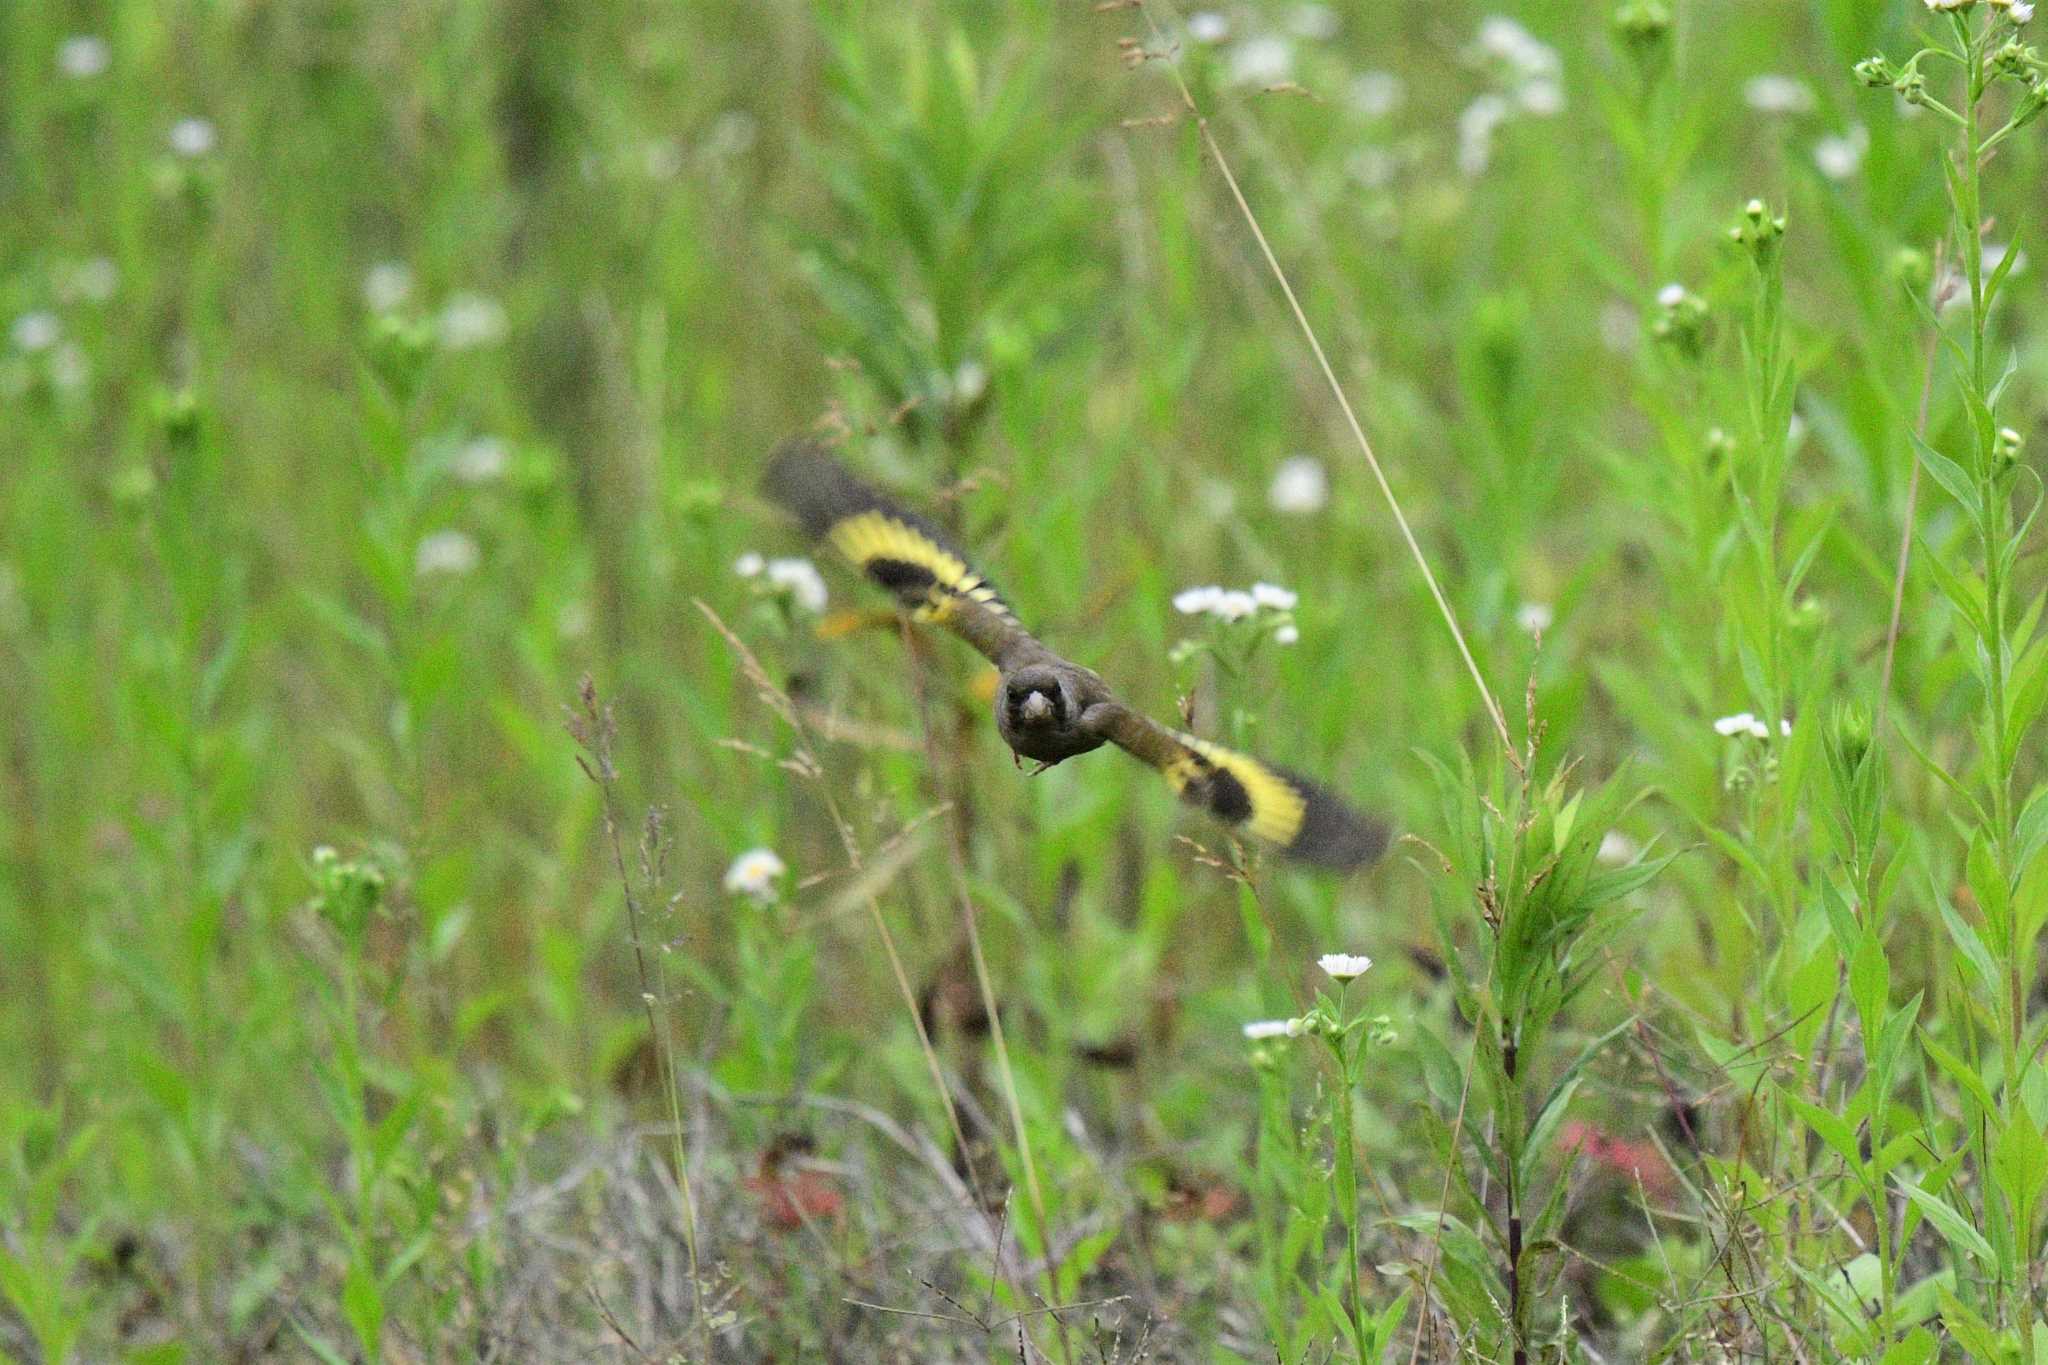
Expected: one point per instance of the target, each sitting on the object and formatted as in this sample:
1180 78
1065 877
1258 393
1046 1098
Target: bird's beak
1037 707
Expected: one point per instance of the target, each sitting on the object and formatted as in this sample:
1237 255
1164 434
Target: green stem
1347 1192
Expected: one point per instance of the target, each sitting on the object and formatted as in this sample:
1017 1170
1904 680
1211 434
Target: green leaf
1870 983
1830 1127
1917 1347
1947 1221
2020 1158
1961 1072
1946 472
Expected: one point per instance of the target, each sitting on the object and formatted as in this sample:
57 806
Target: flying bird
1046 707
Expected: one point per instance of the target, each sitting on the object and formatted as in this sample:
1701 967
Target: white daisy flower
446 552
1207 26
386 286
749 565
1771 93
1288 634
1274 596
1266 60
1300 486
1261 1029
482 460
801 580
1741 723
1671 295
193 137
472 320
37 331
2021 11
84 56
1840 157
1197 601
1375 94
754 874
1534 617
1344 967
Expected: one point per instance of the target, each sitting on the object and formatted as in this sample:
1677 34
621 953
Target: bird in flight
1048 708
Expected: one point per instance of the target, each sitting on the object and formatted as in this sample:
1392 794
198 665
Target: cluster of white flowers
754 874
1342 968
1300 486
1743 723
1528 73
797 578
472 320
446 552
1841 156
1233 604
1772 93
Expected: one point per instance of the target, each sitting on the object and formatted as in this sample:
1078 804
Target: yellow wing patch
1239 790
908 562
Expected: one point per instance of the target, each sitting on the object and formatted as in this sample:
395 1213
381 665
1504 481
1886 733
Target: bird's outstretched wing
1282 808
895 548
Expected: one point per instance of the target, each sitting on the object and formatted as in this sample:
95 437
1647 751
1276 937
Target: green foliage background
400 1102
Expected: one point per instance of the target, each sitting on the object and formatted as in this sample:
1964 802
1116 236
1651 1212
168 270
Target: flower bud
1876 71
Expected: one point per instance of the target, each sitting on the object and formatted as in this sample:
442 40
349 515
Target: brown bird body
1048 708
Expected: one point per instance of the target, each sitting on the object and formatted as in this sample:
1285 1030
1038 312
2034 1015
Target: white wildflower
1315 22
1287 634
93 280
1949 6
386 286
1771 93
1267 60
1785 728
2021 11
1617 849
1542 97
1841 156
84 56
754 874
448 552
1344 967
1375 94
1527 56
69 369
1741 723
1207 26
970 381
749 565
801 580
1260 1030
1274 596
37 331
1475 132
1197 601
1534 617
471 320
483 459
1671 295
193 137
732 134
1620 329
1233 605
1300 486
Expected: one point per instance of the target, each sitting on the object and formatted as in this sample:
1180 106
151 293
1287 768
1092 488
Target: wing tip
1333 836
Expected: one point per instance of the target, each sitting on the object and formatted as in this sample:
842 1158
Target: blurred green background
376 372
